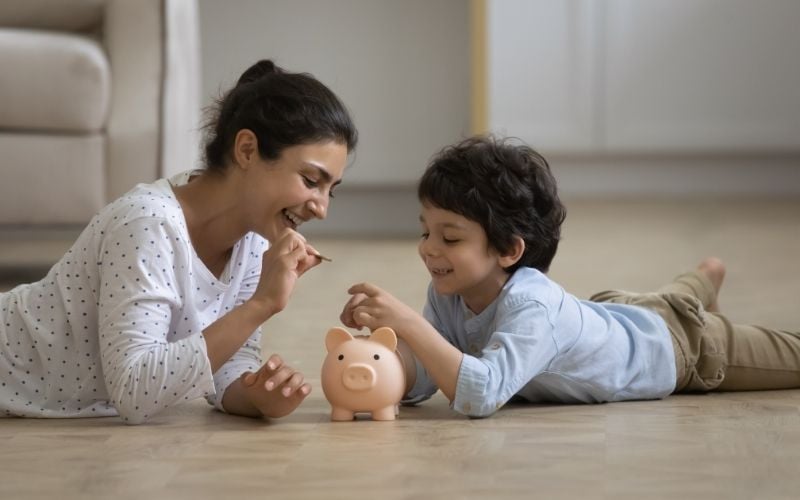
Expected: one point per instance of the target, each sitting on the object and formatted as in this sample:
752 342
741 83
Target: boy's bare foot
714 269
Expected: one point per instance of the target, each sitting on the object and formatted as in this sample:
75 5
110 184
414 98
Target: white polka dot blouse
115 328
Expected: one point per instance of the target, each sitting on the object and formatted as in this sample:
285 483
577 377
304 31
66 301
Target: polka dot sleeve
248 357
147 363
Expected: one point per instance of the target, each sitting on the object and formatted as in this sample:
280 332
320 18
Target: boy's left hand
276 389
373 307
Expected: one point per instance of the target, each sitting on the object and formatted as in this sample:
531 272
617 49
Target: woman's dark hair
282 109
506 188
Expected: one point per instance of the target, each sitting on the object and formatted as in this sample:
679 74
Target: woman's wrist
262 309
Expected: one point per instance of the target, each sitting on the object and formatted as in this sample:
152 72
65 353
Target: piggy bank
362 374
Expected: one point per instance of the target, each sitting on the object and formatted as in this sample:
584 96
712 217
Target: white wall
401 67
651 97
584 81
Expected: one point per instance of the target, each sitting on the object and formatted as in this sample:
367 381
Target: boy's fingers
367 289
364 318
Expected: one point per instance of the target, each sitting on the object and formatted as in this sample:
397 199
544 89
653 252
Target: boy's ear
514 253
245 148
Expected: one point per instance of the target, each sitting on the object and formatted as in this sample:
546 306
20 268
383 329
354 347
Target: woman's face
293 189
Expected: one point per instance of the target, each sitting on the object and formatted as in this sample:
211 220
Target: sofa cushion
60 82
72 15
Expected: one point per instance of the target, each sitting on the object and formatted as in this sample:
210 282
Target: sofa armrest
153 48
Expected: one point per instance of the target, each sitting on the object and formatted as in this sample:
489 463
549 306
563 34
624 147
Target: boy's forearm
409 364
441 360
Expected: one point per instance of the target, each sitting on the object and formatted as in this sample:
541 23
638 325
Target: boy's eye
424 236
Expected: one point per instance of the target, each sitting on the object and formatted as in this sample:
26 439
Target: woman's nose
319 207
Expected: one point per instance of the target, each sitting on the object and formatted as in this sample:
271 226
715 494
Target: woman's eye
449 241
310 182
424 236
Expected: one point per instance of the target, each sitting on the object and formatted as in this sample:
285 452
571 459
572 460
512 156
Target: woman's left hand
276 389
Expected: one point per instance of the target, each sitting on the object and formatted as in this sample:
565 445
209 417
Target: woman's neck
210 212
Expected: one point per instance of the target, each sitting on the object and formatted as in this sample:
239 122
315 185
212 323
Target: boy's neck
481 296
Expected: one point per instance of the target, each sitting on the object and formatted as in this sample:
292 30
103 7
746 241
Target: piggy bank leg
341 414
387 413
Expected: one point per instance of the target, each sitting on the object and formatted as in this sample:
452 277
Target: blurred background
626 98
672 126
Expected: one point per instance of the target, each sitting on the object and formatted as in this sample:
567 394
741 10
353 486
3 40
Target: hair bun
258 71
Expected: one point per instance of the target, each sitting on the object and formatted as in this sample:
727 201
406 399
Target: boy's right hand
373 307
346 317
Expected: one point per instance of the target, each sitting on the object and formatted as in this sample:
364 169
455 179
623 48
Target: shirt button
496 346
473 349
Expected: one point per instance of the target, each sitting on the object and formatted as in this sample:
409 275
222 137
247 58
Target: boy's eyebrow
452 225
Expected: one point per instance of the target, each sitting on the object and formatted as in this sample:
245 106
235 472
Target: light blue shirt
541 343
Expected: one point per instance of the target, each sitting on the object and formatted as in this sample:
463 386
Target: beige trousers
711 353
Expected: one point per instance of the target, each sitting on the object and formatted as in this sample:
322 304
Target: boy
495 326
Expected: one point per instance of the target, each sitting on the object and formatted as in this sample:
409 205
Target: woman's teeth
293 219
440 272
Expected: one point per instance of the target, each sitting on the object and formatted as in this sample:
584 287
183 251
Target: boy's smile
458 257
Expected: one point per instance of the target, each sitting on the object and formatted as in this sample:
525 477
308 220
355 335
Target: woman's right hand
281 265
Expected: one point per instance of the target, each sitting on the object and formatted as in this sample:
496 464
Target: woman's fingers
249 378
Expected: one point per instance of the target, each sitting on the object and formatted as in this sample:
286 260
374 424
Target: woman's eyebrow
323 172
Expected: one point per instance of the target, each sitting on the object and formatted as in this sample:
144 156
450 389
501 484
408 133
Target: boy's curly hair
507 188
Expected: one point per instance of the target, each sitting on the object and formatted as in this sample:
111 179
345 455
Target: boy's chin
443 290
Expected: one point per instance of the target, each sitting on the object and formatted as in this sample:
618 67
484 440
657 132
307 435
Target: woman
161 297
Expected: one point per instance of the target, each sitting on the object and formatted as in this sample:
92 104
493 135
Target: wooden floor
731 446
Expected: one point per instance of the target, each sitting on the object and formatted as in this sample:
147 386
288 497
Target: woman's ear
245 148
514 253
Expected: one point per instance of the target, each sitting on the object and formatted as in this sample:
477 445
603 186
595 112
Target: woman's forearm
226 335
236 402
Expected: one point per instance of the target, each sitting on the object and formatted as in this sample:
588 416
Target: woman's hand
373 307
281 266
276 389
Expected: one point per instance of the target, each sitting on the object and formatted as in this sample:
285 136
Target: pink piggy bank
362 374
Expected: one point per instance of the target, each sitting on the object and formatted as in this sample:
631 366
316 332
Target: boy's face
459 258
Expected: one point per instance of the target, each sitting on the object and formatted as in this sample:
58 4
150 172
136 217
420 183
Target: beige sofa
95 96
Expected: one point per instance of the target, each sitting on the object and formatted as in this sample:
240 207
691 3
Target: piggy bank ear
335 337
386 336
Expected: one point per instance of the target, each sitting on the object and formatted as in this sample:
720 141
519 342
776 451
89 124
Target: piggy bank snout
359 377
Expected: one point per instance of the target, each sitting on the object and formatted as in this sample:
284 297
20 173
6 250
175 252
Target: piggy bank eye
376 357
341 357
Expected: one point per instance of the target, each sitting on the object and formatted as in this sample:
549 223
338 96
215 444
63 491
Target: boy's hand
276 389
373 307
346 317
